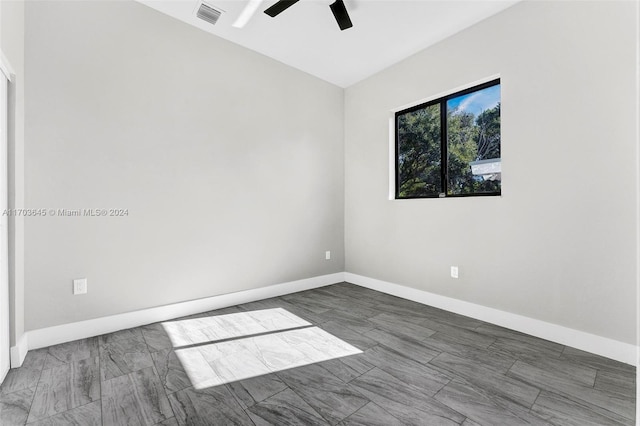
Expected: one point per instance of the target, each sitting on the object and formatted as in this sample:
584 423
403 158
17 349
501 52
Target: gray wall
559 244
230 163
231 166
12 43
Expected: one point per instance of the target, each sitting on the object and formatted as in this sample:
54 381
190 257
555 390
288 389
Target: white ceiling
306 36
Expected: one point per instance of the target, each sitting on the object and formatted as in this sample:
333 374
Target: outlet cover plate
80 286
454 272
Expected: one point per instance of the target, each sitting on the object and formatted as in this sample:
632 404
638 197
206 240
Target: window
450 147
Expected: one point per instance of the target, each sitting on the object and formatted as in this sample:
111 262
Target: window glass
419 152
450 147
473 142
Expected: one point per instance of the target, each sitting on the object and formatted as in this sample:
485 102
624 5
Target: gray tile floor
418 366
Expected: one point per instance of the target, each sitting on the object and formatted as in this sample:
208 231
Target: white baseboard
19 351
603 346
80 330
613 349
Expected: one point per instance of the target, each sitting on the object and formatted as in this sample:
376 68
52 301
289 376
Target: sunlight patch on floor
215 328
224 362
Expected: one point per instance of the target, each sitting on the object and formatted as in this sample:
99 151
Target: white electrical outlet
327 255
80 286
454 272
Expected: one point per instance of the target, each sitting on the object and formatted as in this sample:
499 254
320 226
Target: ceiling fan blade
280 7
341 14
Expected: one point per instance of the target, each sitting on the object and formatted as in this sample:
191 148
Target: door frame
7 76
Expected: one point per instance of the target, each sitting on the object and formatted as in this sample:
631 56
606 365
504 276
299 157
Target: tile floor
337 355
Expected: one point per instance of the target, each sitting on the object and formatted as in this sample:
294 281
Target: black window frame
444 169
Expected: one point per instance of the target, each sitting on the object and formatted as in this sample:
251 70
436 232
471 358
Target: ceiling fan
338 8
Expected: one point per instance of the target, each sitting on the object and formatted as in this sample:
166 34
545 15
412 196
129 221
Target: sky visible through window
475 102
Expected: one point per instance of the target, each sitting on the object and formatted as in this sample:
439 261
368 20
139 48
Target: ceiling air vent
208 13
